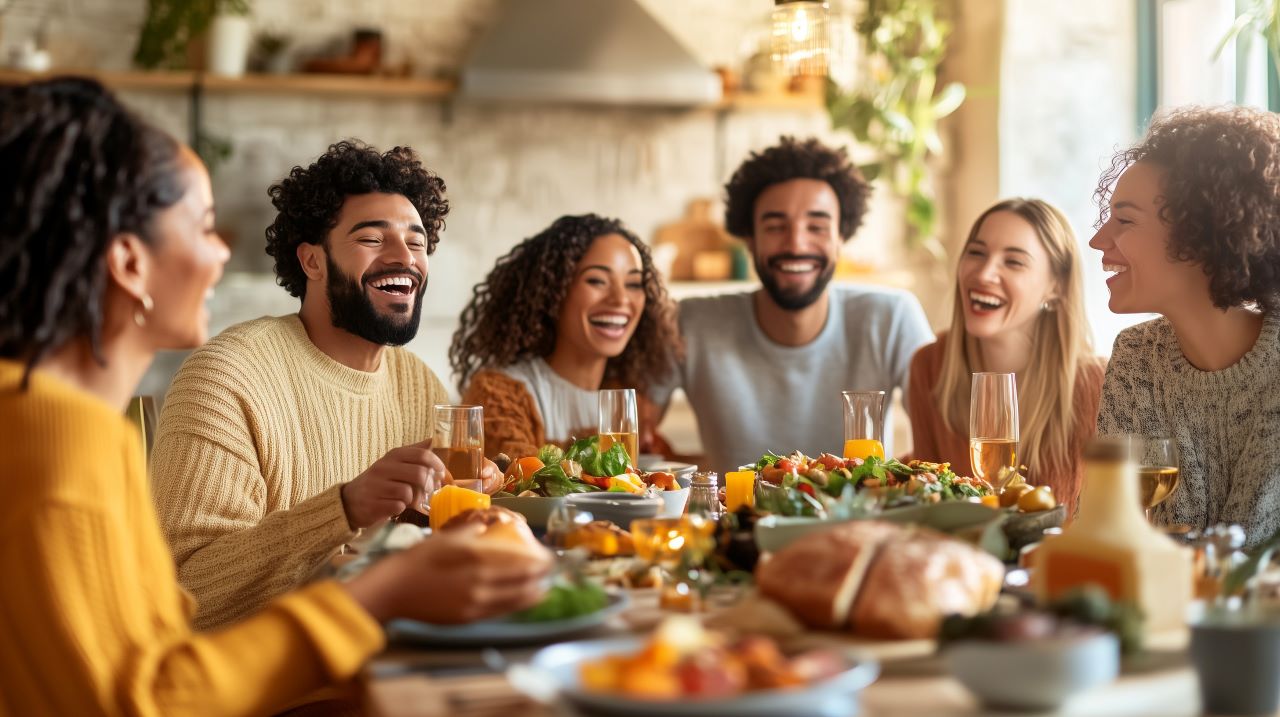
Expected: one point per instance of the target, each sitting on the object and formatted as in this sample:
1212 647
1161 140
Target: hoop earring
140 315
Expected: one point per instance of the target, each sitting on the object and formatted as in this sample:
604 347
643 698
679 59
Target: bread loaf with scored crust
880 579
817 577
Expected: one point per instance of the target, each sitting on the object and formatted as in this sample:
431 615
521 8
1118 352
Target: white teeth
610 319
796 267
1116 268
978 297
391 281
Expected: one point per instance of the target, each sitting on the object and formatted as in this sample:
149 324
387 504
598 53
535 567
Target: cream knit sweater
259 431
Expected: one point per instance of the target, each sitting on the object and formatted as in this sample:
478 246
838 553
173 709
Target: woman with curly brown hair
574 308
1191 231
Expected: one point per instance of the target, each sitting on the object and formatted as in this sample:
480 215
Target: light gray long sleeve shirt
752 395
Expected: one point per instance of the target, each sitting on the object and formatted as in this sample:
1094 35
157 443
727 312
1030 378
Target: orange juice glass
863 424
740 489
863 448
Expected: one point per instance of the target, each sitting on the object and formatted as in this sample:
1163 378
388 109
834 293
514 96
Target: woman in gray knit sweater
1191 231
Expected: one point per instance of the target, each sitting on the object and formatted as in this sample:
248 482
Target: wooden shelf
331 85
121 80
354 85
780 101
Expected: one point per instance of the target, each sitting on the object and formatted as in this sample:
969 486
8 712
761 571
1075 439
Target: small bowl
535 509
1034 674
673 502
618 508
1236 655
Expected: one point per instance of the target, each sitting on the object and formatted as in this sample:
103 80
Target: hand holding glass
459 442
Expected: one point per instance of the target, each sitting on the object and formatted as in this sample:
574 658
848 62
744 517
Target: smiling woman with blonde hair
1019 308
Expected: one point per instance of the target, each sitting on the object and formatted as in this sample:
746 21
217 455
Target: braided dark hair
309 200
791 159
512 313
79 169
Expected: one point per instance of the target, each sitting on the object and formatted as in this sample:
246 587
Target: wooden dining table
422 681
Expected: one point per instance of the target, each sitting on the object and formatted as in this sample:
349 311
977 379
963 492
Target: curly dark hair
792 159
512 313
309 200
80 169
1221 197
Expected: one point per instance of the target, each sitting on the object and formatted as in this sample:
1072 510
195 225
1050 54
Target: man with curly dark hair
283 437
1190 229
797 342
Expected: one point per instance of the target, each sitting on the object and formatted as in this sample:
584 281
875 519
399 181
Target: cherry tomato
786 465
805 487
830 462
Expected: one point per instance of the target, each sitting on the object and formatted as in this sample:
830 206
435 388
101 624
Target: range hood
592 51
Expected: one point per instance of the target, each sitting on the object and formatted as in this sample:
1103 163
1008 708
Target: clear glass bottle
704 496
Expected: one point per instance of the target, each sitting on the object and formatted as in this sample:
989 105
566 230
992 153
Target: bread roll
915 582
499 527
817 576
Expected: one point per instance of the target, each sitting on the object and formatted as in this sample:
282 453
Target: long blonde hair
1060 342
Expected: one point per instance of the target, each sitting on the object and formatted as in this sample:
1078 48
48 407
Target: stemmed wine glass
993 428
1157 459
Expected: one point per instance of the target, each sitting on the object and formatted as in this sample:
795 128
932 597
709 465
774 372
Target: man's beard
788 299
352 310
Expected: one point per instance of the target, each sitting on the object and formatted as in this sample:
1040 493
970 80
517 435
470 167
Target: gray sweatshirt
752 395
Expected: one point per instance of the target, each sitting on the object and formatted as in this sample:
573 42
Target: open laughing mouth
396 284
981 302
1114 270
611 324
795 265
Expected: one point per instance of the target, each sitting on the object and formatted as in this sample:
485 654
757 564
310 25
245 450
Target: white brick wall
510 169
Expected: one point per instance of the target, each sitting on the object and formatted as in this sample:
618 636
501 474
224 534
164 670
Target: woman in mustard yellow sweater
107 253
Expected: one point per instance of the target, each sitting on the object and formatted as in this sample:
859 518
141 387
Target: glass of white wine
993 427
1158 469
619 421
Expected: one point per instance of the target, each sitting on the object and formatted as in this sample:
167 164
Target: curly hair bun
793 159
309 200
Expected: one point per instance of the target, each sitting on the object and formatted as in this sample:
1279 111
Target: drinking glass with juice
863 424
459 442
619 421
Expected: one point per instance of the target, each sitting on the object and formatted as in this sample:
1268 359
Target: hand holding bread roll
487 565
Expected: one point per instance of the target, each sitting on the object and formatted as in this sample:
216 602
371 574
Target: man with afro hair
284 437
764 369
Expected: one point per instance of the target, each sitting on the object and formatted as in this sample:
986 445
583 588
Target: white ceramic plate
681 470
774 532
502 631
559 665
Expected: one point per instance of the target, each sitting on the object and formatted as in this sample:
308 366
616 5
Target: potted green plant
896 108
173 26
230 34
